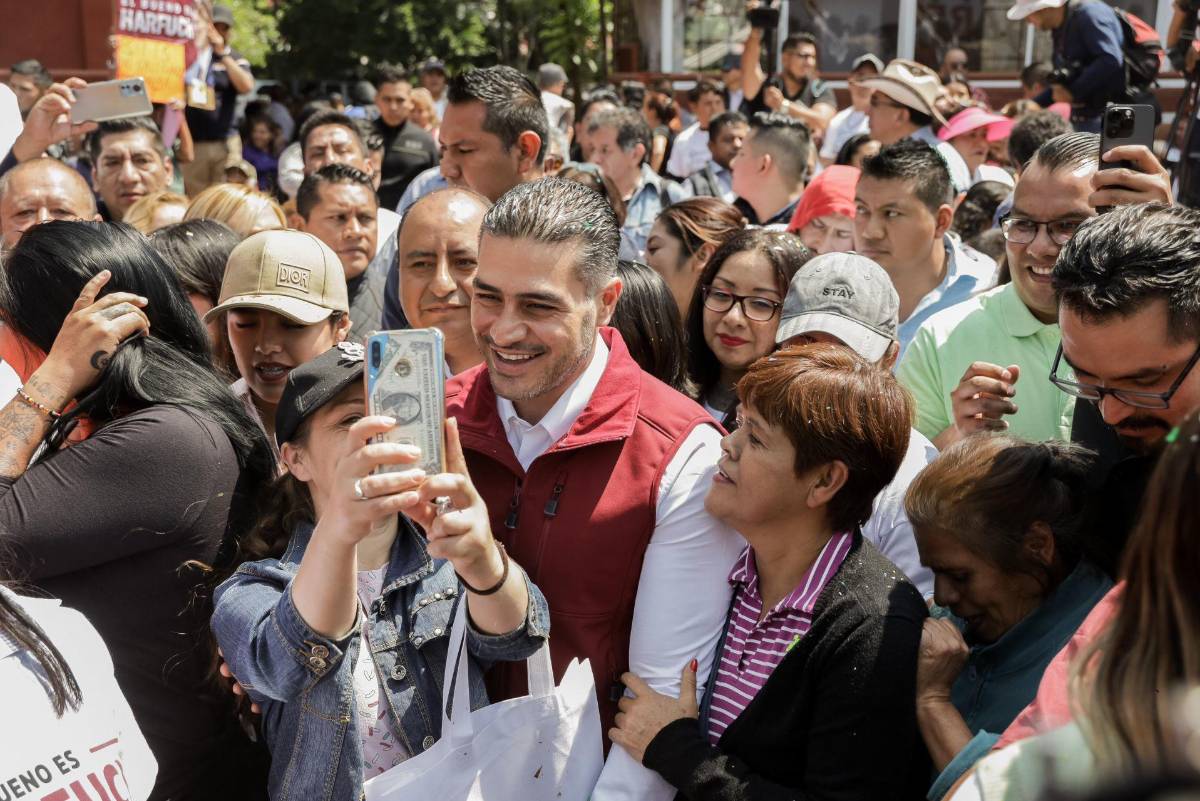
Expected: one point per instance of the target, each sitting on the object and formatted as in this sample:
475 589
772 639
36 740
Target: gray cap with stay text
847 296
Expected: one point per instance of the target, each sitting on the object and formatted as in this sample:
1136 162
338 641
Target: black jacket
836 721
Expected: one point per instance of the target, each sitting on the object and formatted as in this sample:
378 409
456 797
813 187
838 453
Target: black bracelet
503 574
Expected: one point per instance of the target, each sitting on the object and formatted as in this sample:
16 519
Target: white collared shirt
99 744
690 152
689 549
531 441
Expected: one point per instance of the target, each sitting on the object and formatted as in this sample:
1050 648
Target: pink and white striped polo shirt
752 649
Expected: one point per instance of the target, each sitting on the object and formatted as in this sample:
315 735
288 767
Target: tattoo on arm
100 359
22 427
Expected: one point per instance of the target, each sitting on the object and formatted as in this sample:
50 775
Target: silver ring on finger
358 490
443 505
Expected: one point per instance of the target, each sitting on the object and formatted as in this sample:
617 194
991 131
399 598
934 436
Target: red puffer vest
580 520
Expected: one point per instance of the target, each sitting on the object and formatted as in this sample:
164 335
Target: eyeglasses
753 308
1142 400
1021 231
880 102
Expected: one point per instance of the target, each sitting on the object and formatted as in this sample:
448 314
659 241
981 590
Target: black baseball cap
314 384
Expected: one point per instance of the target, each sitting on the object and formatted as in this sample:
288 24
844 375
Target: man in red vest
595 473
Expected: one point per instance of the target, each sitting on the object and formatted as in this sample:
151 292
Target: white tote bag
544 746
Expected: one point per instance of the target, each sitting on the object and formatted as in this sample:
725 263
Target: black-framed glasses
753 307
1142 400
1022 231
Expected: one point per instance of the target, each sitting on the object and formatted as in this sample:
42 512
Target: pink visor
969 119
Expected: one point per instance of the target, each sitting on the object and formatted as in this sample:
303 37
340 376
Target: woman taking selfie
345 579
1012 575
279 318
816 667
168 471
735 312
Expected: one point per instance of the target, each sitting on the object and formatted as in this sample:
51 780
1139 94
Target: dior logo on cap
292 276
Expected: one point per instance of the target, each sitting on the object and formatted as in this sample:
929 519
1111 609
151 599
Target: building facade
688 36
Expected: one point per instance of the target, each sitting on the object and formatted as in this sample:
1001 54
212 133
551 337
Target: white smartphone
405 379
111 100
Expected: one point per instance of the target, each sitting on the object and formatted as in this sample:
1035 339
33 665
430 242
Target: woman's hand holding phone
360 499
463 534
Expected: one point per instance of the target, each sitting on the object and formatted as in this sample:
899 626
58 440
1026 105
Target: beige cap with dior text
289 272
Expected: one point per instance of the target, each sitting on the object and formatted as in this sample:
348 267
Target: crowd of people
854 448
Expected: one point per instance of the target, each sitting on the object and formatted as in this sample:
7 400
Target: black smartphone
1126 125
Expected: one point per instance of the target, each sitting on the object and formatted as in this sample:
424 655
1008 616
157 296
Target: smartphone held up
1126 125
406 380
110 100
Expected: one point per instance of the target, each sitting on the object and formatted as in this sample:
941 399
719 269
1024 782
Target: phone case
406 379
111 100
1143 132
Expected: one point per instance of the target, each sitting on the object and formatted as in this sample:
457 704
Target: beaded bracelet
46 410
503 575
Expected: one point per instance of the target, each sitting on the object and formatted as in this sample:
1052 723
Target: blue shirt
426 182
643 208
1001 678
1089 41
304 681
968 272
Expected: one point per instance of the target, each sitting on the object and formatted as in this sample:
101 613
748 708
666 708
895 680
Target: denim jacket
304 682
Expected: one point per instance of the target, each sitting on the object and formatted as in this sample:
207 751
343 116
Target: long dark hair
199 251
41 282
17 626
786 254
648 319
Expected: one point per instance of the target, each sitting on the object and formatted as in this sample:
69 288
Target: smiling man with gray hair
594 472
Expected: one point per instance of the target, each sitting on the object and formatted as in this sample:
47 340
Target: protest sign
155 41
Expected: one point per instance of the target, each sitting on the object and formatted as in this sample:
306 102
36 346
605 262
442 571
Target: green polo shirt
993 327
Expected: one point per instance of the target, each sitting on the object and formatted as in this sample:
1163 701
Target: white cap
1023 8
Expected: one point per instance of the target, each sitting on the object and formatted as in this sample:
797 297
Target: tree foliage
341 39
255 33
350 38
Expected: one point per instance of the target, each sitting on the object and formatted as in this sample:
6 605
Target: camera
1118 123
766 16
1062 76
376 354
